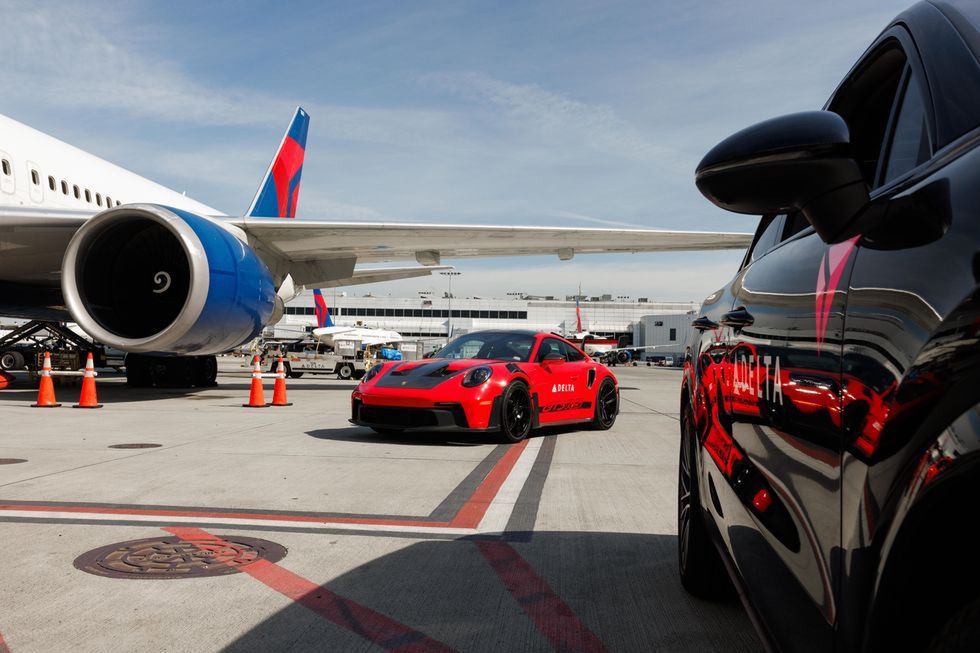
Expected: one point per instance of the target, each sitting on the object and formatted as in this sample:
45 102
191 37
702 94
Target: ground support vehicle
23 348
347 359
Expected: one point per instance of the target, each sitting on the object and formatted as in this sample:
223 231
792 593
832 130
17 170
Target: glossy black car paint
865 436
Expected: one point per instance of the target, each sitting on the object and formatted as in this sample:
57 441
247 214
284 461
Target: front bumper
442 416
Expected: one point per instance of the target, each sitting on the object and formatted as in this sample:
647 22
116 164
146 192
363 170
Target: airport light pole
449 324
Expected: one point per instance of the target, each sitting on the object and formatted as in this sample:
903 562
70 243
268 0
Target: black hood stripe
425 376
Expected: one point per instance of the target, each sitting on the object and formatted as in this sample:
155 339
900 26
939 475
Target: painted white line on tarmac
498 514
223 521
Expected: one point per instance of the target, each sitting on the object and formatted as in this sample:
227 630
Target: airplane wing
374 275
304 243
324 254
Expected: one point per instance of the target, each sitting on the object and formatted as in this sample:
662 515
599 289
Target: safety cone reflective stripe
45 391
88 398
256 398
279 390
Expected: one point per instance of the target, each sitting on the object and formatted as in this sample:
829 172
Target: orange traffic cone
5 379
256 398
279 391
88 398
45 391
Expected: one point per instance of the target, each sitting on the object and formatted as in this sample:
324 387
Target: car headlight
373 372
477 376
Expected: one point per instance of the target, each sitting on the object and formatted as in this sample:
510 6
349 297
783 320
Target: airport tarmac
289 529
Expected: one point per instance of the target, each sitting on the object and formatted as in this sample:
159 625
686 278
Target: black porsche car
830 436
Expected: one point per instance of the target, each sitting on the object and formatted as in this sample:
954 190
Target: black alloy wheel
606 405
701 570
515 420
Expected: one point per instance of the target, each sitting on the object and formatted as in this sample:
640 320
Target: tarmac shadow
621 589
420 438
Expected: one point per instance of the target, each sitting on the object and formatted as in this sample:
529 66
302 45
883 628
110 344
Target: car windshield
490 345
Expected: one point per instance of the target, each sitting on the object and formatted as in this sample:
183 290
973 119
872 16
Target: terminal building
634 322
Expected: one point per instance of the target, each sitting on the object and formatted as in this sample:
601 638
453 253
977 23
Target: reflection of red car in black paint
830 431
502 381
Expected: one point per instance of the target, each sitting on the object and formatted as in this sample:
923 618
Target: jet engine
153 279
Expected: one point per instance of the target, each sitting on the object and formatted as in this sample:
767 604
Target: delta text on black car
493 381
830 433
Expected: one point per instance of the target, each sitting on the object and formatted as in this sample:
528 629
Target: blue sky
551 113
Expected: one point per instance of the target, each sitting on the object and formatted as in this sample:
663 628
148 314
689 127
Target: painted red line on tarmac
469 516
358 619
550 614
472 512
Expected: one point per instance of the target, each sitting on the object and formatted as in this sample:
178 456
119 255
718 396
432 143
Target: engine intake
153 279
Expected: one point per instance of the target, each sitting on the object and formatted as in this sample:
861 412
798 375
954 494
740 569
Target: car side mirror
552 359
801 161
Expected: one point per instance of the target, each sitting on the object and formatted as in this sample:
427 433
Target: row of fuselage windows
83 194
411 312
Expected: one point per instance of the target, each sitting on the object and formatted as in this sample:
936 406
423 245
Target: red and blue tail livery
279 191
322 314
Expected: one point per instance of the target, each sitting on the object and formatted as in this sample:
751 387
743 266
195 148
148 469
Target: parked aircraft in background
327 332
172 281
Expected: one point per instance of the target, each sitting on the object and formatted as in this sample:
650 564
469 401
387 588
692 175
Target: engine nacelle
154 279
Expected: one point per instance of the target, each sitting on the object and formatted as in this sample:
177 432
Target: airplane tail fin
322 314
279 190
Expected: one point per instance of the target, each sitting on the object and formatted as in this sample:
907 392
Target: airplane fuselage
41 174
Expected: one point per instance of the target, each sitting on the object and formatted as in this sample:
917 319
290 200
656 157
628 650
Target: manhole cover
135 445
12 461
175 557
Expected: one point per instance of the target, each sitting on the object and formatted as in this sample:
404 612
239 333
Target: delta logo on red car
563 387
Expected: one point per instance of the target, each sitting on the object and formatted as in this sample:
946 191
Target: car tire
700 566
515 412
345 372
960 634
606 405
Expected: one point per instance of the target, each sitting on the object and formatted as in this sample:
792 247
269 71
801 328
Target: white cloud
555 116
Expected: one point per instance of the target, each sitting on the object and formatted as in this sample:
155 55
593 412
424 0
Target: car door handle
703 323
738 318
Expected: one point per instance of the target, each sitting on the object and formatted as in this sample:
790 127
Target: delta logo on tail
279 191
322 314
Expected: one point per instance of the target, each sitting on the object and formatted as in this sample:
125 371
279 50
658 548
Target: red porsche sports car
502 381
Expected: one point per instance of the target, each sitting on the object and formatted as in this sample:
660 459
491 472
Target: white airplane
327 332
147 270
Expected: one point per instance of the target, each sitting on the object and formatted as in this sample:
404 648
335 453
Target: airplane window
52 184
88 196
108 201
64 186
35 178
98 199
6 167
78 194
118 202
